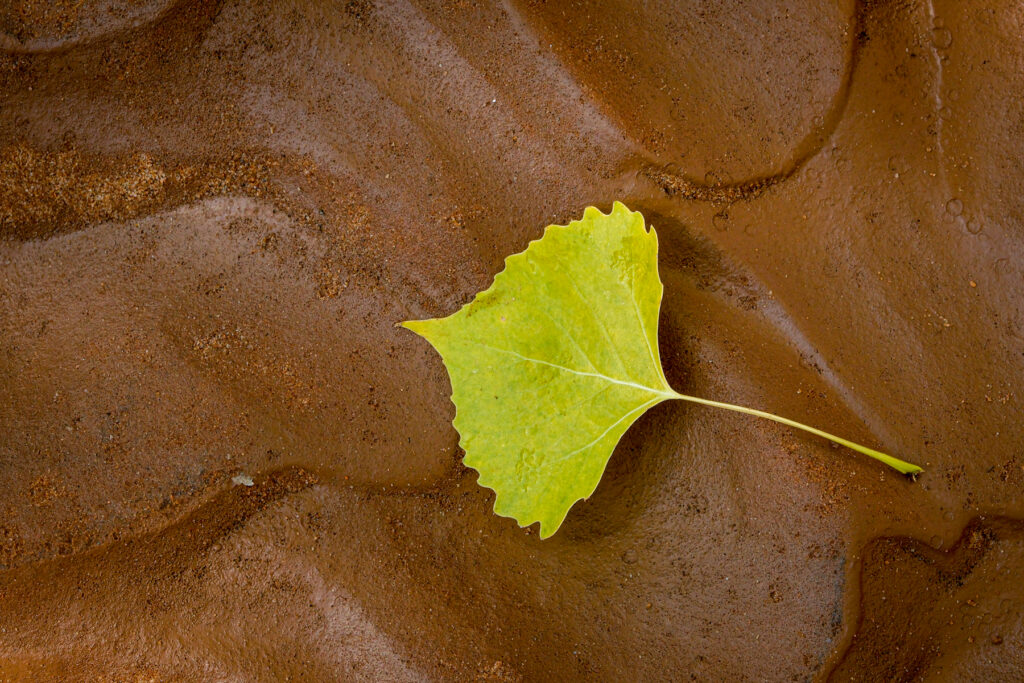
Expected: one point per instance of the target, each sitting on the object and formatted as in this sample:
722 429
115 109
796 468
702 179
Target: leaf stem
895 463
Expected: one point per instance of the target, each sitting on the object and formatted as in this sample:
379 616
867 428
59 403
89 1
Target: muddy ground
212 214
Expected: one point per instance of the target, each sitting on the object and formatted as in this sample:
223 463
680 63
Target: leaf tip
420 327
637 218
619 207
506 505
551 524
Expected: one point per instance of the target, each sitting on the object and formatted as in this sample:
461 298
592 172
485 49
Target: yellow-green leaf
552 364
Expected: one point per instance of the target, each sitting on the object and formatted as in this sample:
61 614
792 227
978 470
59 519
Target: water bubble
712 178
954 207
945 113
720 220
942 37
936 541
949 516
975 225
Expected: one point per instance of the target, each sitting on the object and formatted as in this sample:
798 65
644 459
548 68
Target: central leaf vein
613 380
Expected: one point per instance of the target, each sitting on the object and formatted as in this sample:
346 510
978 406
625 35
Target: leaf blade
524 387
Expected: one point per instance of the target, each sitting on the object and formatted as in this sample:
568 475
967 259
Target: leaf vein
593 313
603 434
597 375
640 320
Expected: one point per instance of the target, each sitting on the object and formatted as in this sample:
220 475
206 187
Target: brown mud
220 460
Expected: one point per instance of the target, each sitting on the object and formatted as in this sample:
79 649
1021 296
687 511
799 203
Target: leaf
552 364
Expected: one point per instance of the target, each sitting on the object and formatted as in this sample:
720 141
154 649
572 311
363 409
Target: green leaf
551 365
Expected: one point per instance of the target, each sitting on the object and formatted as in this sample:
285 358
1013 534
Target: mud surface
220 460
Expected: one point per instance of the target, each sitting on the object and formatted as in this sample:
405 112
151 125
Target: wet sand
212 214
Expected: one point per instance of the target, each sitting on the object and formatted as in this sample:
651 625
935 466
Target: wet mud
221 460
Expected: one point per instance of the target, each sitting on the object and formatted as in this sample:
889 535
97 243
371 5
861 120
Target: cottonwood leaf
551 365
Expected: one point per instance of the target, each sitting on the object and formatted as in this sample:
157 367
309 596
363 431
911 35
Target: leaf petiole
895 463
